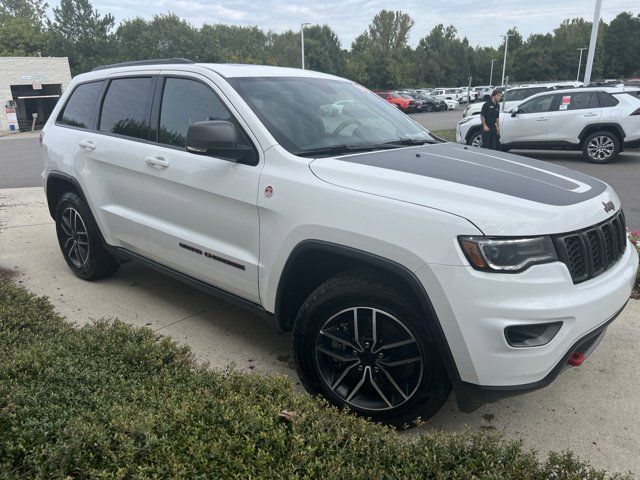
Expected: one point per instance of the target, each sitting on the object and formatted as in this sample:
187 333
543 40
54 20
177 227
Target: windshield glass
522 93
307 114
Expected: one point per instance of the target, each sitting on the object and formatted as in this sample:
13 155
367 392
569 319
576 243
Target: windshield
310 114
522 93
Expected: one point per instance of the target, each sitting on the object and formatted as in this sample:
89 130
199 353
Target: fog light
531 335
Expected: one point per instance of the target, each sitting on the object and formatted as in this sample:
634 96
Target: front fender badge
268 192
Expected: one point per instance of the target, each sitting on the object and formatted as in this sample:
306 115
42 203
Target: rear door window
78 112
125 109
574 101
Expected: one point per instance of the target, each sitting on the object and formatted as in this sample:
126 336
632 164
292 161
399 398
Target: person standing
489 116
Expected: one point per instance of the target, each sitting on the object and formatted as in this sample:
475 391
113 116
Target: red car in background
403 104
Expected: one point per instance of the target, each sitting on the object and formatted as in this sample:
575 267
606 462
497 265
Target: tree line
380 57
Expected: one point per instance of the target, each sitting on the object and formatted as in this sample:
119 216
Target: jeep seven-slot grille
591 251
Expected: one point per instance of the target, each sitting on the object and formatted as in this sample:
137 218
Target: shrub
111 401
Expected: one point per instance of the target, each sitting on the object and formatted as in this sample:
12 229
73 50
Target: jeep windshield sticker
519 177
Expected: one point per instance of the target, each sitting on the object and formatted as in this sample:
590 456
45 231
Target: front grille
589 252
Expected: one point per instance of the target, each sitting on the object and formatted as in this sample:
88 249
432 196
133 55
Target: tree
21 28
322 50
622 46
80 33
164 36
443 58
233 43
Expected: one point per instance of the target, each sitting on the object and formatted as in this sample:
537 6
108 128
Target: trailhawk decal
504 173
211 256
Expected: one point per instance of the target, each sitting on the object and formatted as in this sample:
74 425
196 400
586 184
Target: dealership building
29 90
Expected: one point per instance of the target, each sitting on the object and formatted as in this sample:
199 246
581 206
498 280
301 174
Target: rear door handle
590 115
157 162
541 119
87 145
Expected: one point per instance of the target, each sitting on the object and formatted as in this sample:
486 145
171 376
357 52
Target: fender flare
433 325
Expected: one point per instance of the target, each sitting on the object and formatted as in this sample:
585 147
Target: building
30 86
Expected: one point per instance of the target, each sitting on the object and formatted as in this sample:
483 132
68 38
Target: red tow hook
576 359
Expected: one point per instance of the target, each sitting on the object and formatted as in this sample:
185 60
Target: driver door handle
87 145
157 162
541 119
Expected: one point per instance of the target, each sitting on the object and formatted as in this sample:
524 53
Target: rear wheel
362 344
429 107
80 240
601 147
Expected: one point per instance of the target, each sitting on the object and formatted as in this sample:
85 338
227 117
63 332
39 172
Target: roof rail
159 61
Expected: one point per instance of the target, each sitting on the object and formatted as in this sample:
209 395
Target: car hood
500 193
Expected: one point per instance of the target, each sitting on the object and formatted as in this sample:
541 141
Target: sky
481 21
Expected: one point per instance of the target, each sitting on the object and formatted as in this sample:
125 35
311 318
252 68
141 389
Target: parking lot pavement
592 410
20 161
438 120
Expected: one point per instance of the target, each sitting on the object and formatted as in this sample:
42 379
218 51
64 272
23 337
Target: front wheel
429 107
601 147
362 344
475 138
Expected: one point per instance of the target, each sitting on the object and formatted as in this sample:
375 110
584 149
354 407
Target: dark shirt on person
490 112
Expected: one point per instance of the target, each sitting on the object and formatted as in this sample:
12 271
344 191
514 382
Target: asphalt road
21 164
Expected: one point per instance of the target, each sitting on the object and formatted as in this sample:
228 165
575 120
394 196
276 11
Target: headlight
507 255
464 120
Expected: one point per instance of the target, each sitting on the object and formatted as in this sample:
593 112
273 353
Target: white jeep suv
600 121
404 265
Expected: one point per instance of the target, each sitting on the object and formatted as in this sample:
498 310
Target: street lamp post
491 74
592 42
580 62
302 25
506 45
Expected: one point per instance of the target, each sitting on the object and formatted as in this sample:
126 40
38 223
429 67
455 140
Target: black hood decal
499 172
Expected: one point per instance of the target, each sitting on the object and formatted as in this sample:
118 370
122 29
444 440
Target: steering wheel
346 123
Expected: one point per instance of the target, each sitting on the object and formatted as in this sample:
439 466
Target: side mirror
218 138
514 111
211 135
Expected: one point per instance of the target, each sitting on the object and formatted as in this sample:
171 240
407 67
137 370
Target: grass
109 401
449 134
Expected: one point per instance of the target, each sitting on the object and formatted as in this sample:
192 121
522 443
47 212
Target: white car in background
511 98
599 121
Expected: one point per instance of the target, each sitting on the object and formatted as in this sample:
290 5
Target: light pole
506 45
491 74
592 42
580 62
302 25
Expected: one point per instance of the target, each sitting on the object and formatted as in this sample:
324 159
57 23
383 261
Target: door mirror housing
514 111
218 138
211 135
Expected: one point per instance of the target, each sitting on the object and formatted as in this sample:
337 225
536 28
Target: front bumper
475 307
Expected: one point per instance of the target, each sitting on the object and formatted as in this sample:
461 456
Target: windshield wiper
338 149
410 141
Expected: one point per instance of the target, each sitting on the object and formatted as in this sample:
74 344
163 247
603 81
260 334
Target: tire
429 107
601 147
80 240
350 366
474 138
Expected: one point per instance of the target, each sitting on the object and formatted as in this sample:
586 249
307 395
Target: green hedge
111 401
